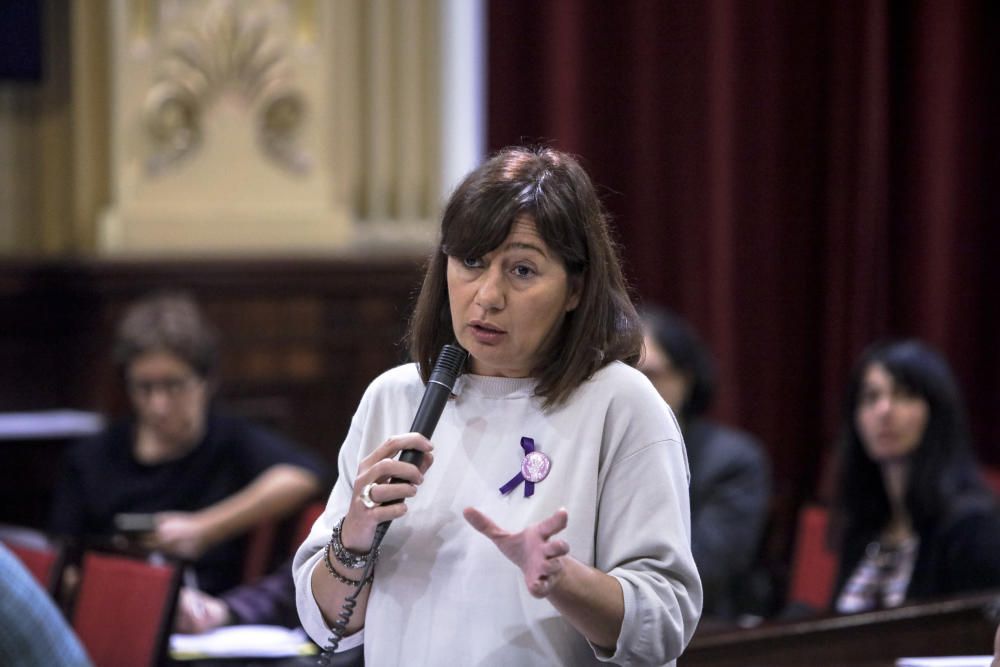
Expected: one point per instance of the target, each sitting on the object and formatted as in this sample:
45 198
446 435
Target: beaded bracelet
344 556
338 576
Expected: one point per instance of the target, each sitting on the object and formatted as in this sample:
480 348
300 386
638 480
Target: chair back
303 525
268 540
814 564
125 608
259 550
42 557
44 562
992 476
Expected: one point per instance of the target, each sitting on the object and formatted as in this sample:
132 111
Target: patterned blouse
881 577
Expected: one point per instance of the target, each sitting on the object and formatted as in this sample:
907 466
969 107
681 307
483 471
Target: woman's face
670 382
508 304
169 397
890 417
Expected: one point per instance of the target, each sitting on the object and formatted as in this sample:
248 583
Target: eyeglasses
172 387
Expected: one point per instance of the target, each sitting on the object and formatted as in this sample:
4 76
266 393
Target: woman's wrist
348 558
339 576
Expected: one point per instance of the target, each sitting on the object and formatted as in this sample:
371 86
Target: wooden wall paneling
301 339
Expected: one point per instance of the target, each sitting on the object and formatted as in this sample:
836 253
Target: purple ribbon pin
535 467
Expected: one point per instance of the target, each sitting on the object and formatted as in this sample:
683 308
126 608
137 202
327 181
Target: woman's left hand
539 557
181 534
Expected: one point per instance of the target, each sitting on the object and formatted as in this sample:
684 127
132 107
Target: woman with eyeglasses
179 477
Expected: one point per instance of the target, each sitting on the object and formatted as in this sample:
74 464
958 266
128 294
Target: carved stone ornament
229 53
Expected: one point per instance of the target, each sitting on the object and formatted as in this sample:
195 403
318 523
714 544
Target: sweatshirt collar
495 387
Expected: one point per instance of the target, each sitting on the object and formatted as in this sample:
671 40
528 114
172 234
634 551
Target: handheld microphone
439 387
446 370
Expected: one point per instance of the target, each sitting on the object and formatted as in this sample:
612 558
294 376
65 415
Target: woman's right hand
378 467
199 612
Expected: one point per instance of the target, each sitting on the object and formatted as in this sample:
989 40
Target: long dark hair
687 353
943 474
553 190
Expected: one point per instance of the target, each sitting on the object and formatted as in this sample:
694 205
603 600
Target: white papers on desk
947 661
48 424
242 641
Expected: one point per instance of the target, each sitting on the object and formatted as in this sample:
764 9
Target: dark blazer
730 492
961 555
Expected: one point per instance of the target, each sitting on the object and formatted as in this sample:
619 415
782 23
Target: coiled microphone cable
447 368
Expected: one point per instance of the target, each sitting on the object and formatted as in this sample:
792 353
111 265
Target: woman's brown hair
553 190
166 322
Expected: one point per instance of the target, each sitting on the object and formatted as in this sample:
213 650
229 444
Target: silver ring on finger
366 495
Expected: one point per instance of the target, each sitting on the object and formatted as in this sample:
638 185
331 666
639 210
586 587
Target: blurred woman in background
730 470
179 477
917 519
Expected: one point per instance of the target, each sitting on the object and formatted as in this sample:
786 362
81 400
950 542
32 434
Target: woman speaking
548 523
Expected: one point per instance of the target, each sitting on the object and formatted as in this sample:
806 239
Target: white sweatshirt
444 594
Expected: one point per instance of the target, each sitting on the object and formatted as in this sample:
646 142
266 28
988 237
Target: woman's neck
150 449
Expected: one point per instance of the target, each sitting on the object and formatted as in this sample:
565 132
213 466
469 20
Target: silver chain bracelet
345 556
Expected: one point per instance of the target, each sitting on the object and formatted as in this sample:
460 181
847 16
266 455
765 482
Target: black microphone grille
449 366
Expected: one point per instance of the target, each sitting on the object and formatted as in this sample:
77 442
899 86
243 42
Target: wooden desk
955 626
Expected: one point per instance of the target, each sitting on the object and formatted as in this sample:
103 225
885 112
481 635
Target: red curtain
796 178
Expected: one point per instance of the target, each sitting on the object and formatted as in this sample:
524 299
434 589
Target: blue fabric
33 632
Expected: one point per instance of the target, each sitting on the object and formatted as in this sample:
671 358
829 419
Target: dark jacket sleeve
730 491
270 601
965 558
